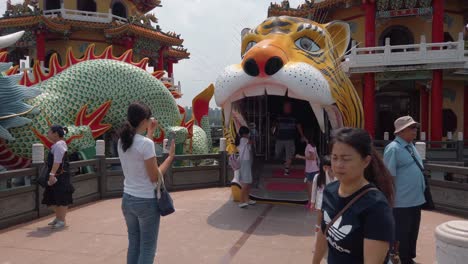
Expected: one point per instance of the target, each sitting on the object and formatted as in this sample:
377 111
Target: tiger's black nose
251 67
273 65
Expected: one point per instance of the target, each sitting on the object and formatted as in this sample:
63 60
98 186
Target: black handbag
164 200
429 204
43 176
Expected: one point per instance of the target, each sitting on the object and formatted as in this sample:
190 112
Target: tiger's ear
340 34
244 31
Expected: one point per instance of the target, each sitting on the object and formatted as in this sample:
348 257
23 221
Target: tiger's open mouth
295 80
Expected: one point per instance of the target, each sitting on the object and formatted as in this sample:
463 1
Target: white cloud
211 30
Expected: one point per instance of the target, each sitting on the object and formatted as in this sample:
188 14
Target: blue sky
211 30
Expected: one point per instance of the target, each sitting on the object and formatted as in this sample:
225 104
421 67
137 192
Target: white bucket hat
404 122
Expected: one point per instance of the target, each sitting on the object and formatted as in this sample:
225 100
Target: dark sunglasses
413 127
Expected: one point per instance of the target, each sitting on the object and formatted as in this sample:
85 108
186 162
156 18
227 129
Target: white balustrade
165 150
37 153
100 147
449 135
446 55
421 148
222 144
422 136
386 136
84 15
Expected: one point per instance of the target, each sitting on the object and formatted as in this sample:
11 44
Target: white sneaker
243 205
58 225
251 202
53 222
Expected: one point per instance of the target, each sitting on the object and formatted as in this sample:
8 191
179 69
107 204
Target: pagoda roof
61 25
303 10
145 5
178 53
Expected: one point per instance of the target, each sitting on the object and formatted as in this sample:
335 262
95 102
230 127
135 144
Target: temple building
405 57
52 26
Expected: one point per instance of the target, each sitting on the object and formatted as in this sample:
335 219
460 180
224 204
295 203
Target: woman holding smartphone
141 170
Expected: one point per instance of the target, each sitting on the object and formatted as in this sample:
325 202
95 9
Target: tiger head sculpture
298 58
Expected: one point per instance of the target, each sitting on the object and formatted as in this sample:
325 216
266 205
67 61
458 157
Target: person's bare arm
375 251
152 167
310 156
321 247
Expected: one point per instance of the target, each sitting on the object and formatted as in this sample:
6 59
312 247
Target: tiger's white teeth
227 109
276 90
255 91
318 111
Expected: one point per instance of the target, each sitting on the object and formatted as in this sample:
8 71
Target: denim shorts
310 176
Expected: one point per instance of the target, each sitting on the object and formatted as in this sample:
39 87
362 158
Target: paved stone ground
207 228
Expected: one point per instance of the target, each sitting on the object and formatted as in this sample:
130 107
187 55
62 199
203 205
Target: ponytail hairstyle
60 130
136 113
322 176
243 130
376 172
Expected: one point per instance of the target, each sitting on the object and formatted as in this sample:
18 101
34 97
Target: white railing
84 15
446 55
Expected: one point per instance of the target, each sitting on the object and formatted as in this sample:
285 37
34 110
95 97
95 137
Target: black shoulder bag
429 205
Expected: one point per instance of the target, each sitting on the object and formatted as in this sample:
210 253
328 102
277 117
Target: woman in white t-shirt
140 168
324 177
244 147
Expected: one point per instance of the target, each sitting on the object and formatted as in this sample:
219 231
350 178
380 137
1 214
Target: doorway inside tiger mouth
269 181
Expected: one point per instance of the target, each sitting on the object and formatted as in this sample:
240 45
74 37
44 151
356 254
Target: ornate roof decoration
61 25
27 8
309 9
146 5
145 32
178 52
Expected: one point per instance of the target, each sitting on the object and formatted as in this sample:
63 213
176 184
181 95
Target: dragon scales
90 96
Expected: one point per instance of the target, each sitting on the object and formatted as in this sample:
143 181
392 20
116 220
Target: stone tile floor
207 228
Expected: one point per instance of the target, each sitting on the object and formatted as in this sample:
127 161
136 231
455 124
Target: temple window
87 5
52 4
119 9
398 35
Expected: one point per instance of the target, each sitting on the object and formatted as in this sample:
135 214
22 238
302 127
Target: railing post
423 48
422 136
101 167
460 146
421 148
386 136
223 161
461 46
387 50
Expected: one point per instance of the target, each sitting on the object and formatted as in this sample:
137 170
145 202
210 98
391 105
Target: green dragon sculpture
102 83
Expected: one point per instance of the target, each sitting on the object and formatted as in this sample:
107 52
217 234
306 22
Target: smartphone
170 138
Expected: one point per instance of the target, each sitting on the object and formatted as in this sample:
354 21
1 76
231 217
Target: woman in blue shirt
363 233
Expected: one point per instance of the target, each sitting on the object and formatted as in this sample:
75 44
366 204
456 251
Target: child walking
311 165
244 145
324 177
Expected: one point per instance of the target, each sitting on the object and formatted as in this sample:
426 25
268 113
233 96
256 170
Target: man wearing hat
401 159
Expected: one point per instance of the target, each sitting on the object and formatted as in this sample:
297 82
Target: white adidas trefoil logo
338 233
